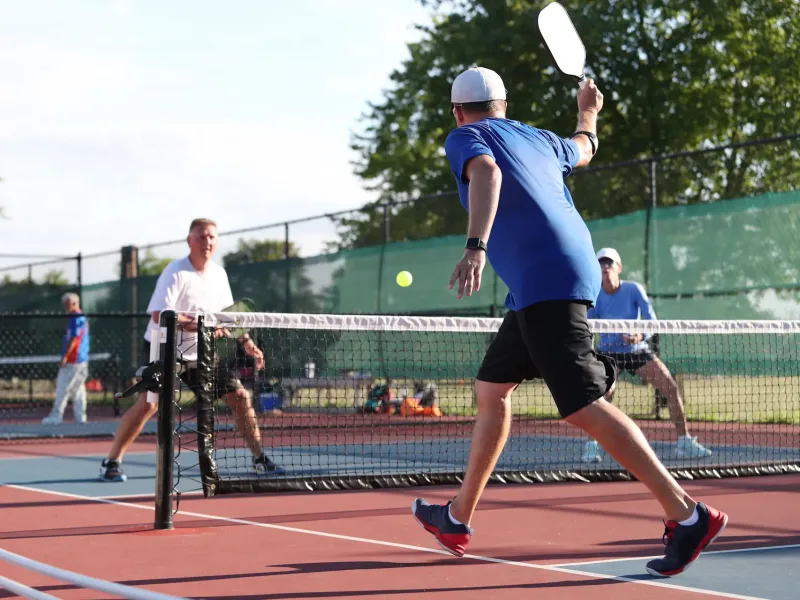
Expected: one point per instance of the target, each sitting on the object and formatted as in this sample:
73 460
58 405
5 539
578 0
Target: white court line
68 456
706 553
552 568
143 495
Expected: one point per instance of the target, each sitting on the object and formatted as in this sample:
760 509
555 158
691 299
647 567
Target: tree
257 269
250 251
55 278
151 265
27 295
676 76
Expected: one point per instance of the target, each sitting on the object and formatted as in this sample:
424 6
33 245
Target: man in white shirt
188 286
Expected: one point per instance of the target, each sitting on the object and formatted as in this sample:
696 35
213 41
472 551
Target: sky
121 120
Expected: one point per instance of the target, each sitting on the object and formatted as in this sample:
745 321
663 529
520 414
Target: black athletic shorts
224 382
550 341
630 361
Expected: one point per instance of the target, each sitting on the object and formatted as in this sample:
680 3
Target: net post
651 207
206 447
165 449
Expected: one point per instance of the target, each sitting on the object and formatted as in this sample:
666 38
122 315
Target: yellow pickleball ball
404 279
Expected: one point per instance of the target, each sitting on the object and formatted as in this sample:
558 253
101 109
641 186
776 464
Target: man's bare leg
246 419
624 441
131 425
656 374
489 436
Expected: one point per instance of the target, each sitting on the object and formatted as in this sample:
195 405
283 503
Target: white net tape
481 325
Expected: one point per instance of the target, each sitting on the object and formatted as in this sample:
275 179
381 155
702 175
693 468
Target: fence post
79 260
386 215
652 204
129 271
288 267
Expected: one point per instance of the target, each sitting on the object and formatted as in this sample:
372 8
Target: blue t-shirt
77 327
539 245
629 302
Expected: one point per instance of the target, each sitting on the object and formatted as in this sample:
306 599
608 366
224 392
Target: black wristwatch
592 139
475 244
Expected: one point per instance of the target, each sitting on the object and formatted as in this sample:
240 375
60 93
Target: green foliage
26 295
250 251
257 269
151 265
676 75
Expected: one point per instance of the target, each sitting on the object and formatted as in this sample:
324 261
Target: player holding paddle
510 179
190 285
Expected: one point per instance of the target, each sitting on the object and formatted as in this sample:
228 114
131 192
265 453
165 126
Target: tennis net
347 402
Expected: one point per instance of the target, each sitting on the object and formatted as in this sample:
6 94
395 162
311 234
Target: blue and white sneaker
111 471
684 543
592 453
689 447
435 518
264 466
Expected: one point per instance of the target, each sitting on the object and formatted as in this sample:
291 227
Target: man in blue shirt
627 300
73 368
510 179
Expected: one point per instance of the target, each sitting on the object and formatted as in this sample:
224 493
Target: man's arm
71 347
485 179
643 302
587 121
647 313
185 322
74 338
590 102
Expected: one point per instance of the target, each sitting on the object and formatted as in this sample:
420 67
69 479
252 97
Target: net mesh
378 401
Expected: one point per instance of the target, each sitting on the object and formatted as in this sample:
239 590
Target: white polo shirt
183 288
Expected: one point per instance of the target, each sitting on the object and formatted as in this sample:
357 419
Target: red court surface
529 540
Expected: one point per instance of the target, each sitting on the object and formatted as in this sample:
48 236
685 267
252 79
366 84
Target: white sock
691 520
453 520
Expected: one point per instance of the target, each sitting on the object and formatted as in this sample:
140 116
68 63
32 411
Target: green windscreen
732 259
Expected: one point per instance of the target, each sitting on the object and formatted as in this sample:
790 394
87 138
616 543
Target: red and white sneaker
684 543
436 520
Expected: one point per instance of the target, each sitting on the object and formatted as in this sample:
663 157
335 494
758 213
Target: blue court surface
750 573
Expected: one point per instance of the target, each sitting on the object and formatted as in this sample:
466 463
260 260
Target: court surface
564 540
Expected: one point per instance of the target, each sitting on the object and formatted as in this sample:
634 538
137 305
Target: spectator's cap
609 253
477 85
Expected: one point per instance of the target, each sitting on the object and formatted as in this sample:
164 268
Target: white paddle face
563 41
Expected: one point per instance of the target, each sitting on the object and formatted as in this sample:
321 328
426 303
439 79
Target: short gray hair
70 297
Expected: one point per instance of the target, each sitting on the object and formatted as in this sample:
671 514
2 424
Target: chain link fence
346 261
31 347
